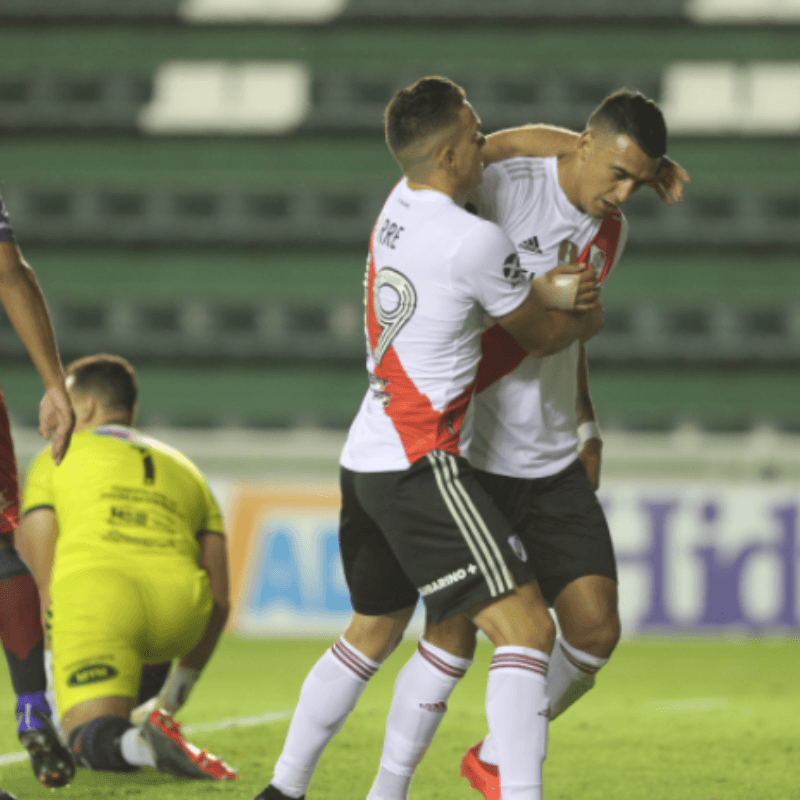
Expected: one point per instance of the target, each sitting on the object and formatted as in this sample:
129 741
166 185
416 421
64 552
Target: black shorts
429 531
561 525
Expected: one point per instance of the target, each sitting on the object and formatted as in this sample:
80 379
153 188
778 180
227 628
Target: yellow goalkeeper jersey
122 500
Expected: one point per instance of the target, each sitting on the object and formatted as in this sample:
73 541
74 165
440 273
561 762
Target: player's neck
439 183
568 178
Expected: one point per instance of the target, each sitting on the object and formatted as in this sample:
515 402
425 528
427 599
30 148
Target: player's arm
185 673
534 141
35 539
214 560
25 305
589 442
562 307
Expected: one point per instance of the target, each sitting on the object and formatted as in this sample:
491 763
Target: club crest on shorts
518 547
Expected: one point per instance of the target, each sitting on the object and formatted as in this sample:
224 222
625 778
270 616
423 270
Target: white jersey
525 409
434 271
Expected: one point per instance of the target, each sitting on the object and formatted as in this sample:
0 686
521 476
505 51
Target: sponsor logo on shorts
91 673
447 580
518 547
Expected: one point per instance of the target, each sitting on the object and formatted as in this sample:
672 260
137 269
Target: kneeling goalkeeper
127 547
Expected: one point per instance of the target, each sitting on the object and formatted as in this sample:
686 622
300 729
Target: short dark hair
111 379
431 103
630 113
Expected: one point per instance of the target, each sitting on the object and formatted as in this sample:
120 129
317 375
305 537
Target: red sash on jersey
501 352
421 428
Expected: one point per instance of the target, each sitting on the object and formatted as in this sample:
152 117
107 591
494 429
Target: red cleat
174 755
481 776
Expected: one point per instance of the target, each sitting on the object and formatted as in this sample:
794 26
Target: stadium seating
229 152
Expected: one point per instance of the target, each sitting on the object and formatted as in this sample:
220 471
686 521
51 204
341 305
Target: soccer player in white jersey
414 521
525 442
534 416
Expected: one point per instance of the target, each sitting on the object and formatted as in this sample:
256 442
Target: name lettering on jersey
447 580
513 271
394 301
390 233
531 246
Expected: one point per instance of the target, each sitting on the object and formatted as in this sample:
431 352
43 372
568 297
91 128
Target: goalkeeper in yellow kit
127 547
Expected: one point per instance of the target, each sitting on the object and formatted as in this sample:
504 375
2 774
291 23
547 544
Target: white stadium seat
283 11
744 11
222 97
723 97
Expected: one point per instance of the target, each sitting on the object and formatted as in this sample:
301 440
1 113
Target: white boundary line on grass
199 727
694 704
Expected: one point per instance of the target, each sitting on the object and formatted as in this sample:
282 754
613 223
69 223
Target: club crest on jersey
513 272
597 258
394 300
518 547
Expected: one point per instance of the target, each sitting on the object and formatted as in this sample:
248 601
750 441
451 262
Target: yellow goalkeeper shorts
105 624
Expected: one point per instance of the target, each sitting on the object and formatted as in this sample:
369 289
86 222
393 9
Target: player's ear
84 407
586 143
445 156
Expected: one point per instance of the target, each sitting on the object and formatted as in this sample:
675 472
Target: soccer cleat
52 762
4 795
481 776
174 755
272 793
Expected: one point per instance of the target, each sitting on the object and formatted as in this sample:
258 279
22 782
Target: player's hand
668 183
588 295
591 457
594 321
569 287
56 419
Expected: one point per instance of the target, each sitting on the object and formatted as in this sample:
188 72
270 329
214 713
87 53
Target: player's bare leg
102 737
590 629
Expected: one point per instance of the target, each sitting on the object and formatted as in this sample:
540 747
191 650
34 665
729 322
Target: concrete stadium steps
737 216
332 332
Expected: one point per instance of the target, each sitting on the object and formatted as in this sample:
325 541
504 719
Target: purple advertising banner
705 555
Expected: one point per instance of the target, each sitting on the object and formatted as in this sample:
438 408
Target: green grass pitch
668 720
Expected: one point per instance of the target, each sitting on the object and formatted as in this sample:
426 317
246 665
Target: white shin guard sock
330 692
135 749
570 676
421 692
516 709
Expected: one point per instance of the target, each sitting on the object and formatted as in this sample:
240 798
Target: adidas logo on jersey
531 245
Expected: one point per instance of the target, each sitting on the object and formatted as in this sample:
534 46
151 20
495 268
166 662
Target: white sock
516 709
570 675
420 700
330 692
135 749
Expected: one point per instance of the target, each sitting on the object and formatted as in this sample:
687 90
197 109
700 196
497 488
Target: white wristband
586 431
